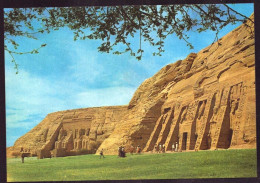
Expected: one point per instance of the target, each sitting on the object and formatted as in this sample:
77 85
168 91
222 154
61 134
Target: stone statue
233 108
201 109
212 126
183 115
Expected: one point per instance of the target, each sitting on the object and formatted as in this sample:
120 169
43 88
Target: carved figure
212 125
61 134
201 109
44 135
233 106
183 115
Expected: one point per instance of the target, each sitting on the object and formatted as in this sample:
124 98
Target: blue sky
69 74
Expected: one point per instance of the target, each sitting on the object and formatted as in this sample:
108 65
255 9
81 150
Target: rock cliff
206 101
70 132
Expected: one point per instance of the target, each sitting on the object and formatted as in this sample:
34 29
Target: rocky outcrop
71 132
206 101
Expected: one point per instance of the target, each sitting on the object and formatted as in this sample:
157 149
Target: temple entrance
184 141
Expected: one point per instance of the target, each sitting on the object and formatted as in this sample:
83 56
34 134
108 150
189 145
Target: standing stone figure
201 109
233 106
212 126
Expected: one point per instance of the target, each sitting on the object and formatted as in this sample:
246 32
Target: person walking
176 147
101 154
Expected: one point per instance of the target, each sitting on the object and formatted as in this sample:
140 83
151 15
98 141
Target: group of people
24 153
175 147
121 152
161 148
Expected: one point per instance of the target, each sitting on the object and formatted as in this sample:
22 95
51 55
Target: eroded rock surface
206 101
71 132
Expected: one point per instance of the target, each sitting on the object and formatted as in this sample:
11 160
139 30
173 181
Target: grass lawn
202 164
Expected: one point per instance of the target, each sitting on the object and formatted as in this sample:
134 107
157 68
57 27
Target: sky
69 74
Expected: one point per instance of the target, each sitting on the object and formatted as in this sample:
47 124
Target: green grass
202 164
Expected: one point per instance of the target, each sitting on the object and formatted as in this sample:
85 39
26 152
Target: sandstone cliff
206 101
71 132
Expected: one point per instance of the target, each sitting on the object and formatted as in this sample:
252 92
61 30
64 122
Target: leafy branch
117 25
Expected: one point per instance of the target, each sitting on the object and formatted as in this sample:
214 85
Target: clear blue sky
69 74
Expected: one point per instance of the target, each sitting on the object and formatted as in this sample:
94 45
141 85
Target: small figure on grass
160 148
155 148
176 147
173 147
101 154
121 152
163 148
138 149
22 156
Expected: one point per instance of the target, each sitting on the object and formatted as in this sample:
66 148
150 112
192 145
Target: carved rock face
194 91
205 101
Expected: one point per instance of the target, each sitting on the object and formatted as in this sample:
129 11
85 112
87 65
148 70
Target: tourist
160 148
155 148
138 149
173 147
119 151
163 148
123 152
22 156
101 154
176 147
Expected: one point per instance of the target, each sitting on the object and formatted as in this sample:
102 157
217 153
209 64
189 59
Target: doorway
184 141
